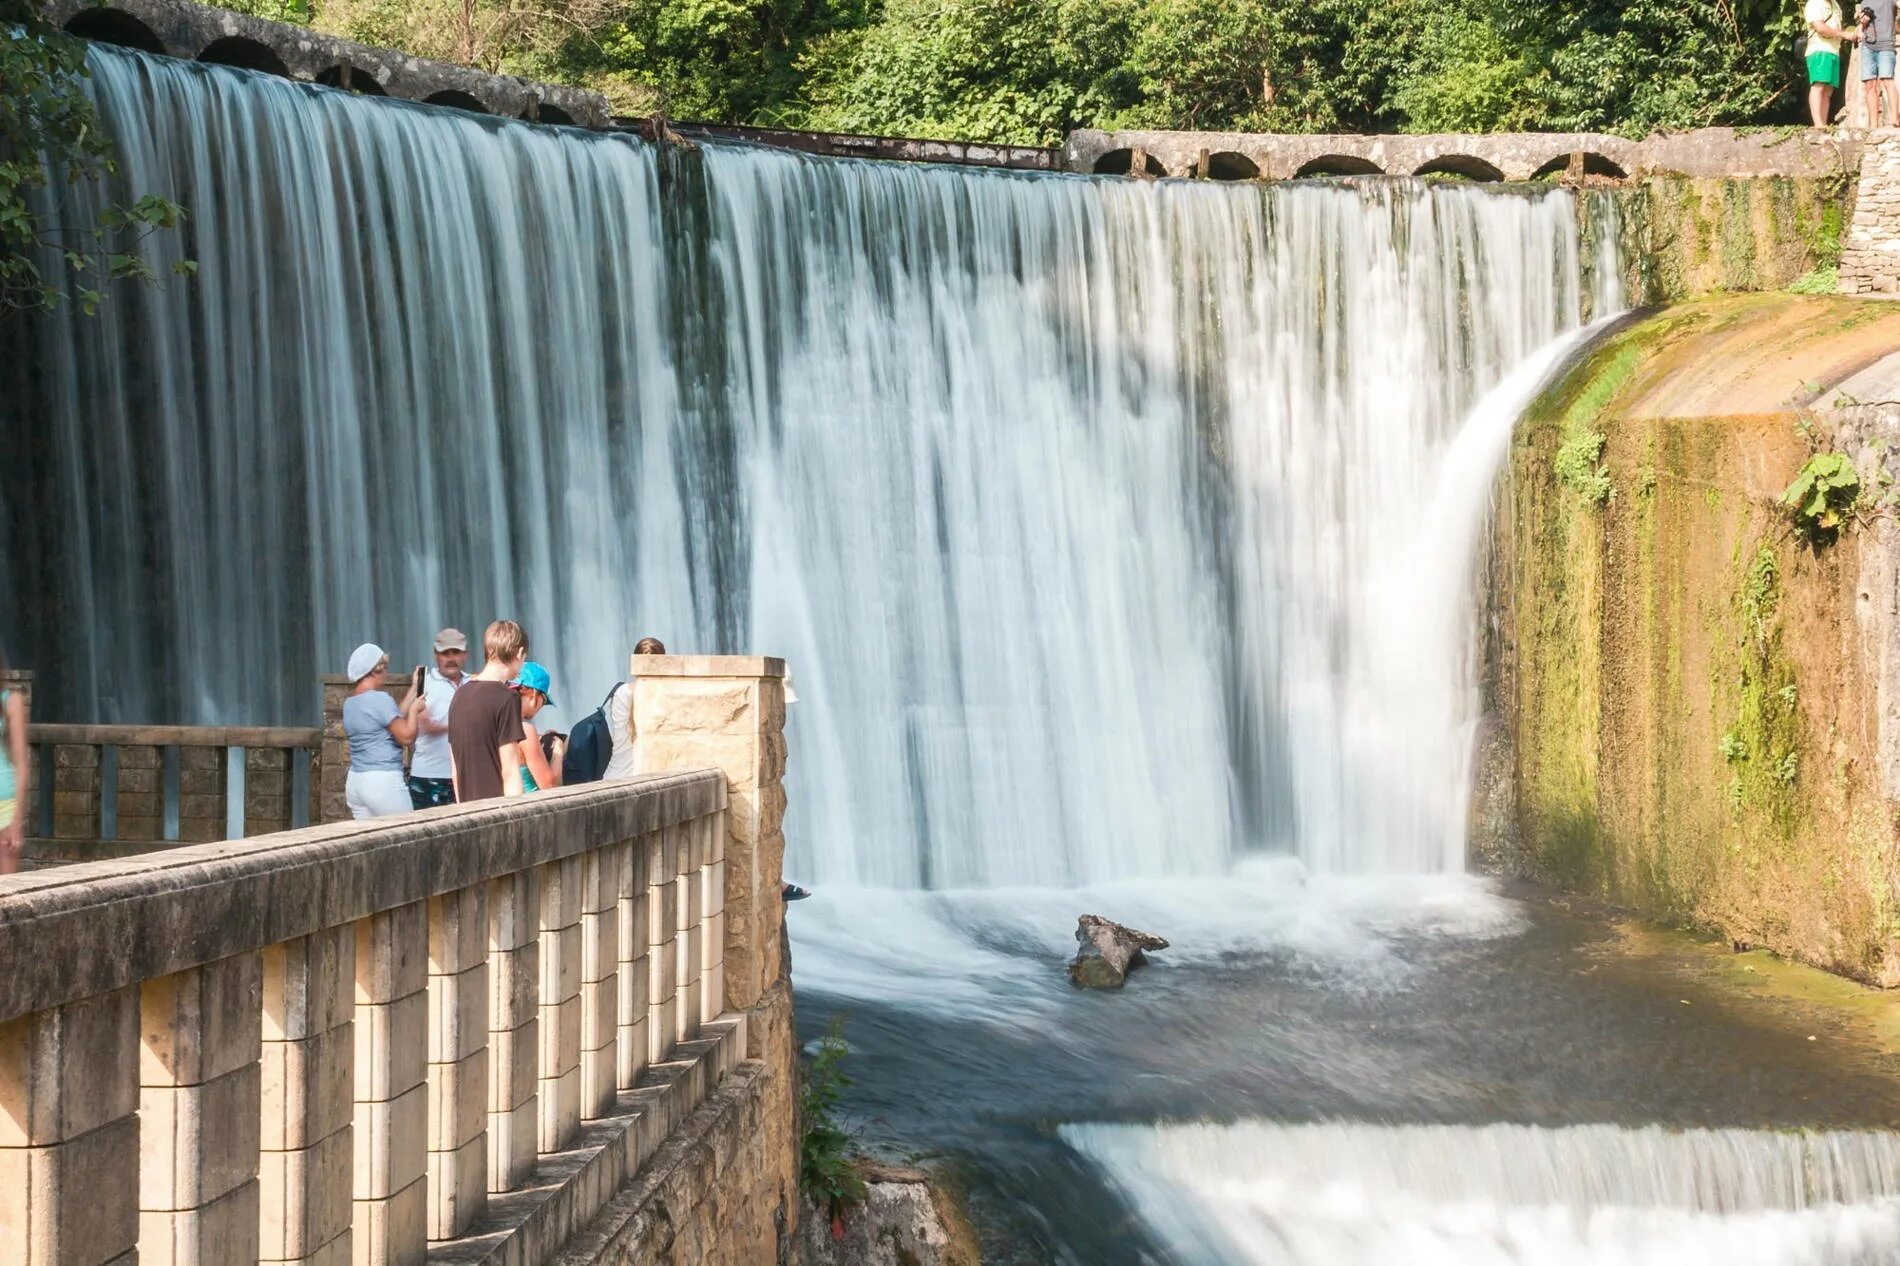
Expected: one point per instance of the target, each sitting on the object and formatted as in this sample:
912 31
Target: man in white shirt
431 770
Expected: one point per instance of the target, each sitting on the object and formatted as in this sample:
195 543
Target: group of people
1873 32
471 737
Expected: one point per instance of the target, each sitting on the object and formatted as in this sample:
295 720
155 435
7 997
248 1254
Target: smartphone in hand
417 679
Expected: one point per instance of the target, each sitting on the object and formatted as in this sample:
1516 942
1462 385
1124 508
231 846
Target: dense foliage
49 132
1027 71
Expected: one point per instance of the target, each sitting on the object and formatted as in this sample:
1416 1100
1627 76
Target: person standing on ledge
485 720
13 775
1877 61
431 781
377 730
1824 56
620 716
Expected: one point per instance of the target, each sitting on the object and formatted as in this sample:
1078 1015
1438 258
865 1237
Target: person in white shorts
378 731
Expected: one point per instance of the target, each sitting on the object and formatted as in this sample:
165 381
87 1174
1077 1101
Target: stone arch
1121 162
114 26
1463 166
1228 165
1338 165
1594 164
547 113
245 54
360 80
456 99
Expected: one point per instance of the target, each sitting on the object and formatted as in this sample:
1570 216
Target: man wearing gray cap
431 771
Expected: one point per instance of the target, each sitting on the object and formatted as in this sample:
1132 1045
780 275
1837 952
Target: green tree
50 135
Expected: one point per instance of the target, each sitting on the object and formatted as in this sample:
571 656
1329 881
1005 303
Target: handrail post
309 1061
392 1012
458 1060
514 1027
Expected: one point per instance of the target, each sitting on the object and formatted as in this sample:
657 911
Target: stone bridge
1710 152
549 1029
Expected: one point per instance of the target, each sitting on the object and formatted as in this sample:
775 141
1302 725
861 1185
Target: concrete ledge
117 923
569 1189
708 666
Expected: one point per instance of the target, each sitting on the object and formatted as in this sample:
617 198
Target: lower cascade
1088 512
1344 1194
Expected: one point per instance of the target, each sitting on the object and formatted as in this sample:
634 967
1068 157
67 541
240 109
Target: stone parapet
1870 257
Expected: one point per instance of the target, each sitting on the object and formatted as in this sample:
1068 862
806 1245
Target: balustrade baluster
308 1098
560 1076
391 1125
458 1060
514 1026
600 977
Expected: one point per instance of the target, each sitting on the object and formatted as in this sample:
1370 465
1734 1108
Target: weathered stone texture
1870 258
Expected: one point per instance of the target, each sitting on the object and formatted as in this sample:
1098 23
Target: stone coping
76 931
528 1226
706 666
174 735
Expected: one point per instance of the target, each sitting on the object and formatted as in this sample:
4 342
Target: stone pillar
514 1026
75 791
309 1077
689 908
662 849
601 872
728 713
633 997
712 903
199 1112
458 1060
391 1126
560 1064
69 1133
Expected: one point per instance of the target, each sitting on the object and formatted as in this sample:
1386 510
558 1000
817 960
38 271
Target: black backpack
590 745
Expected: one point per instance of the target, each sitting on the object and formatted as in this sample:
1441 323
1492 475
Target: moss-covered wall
1684 678
1683 237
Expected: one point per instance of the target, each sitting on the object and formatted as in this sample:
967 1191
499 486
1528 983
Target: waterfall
1496 1195
1084 510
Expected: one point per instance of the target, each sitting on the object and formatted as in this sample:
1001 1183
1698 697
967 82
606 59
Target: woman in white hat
378 731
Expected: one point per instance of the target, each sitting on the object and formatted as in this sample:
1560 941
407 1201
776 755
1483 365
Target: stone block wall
1870 258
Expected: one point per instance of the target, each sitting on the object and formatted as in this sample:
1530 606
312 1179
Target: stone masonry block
631 986
633 930
630 1056
458 1188
69 1070
662 972
458 1102
600 945
662 1020
198 1143
308 1089
600 1013
75 756
304 1197
514 911
514 1060
223 1233
202 1023
392 953
600 878
307 984
393 1231
201 759
391 1047
560 1038
560 963
513 1145
514 987
458 931
559 1099
597 1083
742 758
712 879
705 706
560 894
75 1201
391 1144
140 756
458 1014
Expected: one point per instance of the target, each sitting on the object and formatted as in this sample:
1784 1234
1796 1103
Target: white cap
363 660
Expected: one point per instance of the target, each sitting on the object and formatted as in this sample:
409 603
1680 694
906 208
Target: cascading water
1086 511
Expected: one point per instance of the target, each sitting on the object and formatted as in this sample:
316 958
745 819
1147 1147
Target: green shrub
825 1167
1823 495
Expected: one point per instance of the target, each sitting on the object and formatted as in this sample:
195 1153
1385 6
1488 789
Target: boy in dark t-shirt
485 720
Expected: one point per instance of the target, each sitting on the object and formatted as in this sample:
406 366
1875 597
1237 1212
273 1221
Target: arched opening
1121 162
549 114
1460 167
1338 165
457 100
110 26
1593 165
360 80
1228 165
245 54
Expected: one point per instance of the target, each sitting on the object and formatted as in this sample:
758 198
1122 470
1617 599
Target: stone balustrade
465 1035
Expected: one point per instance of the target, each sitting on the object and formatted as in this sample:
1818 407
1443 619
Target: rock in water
1106 952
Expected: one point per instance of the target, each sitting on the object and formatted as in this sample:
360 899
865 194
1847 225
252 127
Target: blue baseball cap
534 677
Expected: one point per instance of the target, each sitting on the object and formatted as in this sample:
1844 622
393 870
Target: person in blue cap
532 683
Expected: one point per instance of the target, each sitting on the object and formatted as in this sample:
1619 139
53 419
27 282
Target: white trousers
376 793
